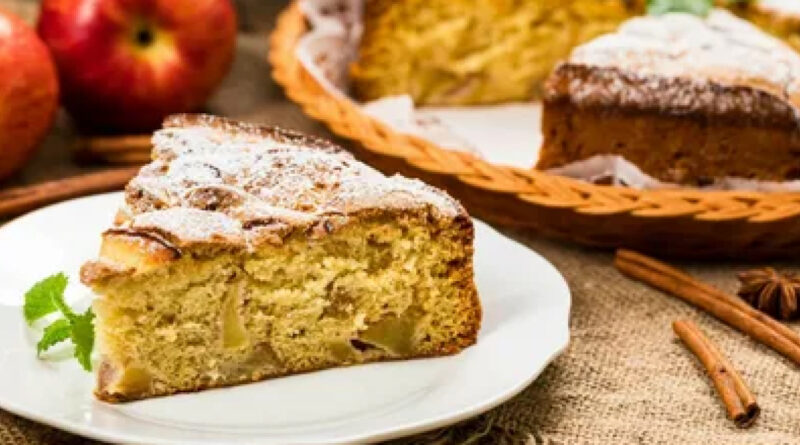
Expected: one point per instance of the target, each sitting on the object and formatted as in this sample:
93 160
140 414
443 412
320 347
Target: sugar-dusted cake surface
246 252
686 99
779 17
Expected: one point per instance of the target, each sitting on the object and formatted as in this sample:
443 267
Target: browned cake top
218 182
682 64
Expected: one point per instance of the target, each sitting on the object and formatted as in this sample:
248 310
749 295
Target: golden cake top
224 184
681 63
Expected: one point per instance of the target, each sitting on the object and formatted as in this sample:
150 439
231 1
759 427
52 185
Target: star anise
771 292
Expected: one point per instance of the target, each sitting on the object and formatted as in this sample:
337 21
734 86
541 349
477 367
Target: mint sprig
82 336
47 297
44 297
696 7
54 334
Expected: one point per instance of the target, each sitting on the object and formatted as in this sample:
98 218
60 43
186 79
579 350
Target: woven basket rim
530 186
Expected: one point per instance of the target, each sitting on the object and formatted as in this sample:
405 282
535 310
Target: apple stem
144 36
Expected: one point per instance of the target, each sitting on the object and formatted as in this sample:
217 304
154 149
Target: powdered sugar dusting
215 180
683 63
191 226
785 8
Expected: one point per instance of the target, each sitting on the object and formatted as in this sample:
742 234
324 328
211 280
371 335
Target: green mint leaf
82 335
45 297
696 7
57 332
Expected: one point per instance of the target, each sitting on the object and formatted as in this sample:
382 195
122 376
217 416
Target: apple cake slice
246 252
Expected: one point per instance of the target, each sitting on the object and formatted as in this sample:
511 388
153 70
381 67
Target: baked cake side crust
674 149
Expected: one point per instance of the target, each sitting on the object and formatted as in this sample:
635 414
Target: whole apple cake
687 99
245 252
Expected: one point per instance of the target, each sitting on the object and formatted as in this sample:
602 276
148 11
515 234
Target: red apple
28 92
126 64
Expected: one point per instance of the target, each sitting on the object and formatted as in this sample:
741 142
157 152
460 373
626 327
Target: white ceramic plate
525 325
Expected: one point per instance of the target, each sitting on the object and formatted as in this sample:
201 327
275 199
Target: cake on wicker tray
246 252
461 52
686 99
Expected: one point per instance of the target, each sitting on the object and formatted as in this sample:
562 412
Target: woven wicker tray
683 222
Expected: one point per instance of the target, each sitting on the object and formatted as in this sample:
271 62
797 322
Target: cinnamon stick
18 200
725 307
115 144
125 149
128 158
687 280
739 401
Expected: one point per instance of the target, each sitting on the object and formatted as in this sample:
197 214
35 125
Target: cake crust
748 101
672 149
682 64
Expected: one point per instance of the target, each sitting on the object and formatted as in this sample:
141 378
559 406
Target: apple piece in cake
244 253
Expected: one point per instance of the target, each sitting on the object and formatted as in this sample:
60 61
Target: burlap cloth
624 378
